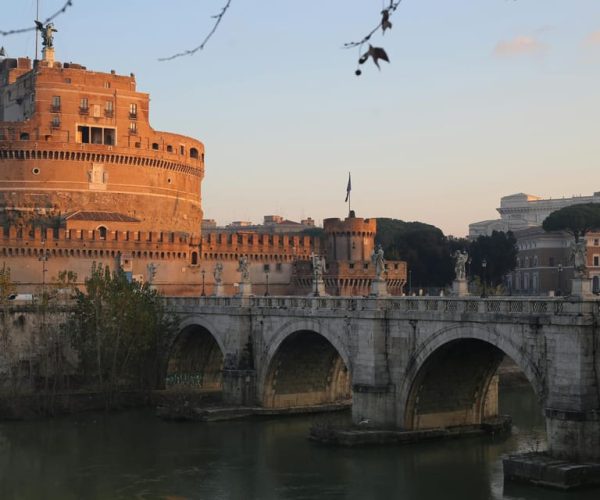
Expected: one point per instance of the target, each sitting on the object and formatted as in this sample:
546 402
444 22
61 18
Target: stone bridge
406 362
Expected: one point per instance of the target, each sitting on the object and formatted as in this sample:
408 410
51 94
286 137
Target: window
133 111
56 103
102 232
55 121
194 153
266 268
596 242
83 105
133 128
551 261
366 266
169 148
351 265
596 260
278 266
96 135
24 136
195 259
108 108
155 146
181 150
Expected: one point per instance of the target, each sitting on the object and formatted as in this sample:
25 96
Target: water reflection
136 455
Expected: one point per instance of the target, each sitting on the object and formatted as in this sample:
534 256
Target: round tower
74 140
351 239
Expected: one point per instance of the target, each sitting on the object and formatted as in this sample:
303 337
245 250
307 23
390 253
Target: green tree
500 253
577 220
424 247
119 329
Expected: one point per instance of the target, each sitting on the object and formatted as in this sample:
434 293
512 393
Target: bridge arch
195 357
451 377
304 365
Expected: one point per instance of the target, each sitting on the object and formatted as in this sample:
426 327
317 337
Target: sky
481 99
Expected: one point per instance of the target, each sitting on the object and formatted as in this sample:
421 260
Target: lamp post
203 294
267 288
409 282
559 273
484 278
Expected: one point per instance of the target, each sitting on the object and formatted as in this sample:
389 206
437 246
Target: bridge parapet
471 305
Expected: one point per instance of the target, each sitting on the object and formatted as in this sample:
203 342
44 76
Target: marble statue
461 259
318 263
217 273
378 261
243 268
578 258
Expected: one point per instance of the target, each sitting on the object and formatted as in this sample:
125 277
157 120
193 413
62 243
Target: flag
348 188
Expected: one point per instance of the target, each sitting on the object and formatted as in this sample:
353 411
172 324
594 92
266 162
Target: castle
85 178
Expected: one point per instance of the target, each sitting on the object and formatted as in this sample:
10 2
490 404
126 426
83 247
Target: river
135 455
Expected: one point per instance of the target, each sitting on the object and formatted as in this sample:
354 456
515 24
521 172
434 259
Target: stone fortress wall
75 138
84 178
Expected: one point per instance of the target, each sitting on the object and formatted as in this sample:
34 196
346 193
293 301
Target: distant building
521 211
271 224
544 262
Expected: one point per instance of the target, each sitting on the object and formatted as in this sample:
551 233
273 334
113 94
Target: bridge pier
239 387
573 435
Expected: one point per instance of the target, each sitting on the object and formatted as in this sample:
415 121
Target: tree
424 247
577 220
500 254
119 329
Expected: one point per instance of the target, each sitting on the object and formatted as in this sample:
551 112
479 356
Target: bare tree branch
375 53
62 10
219 18
383 24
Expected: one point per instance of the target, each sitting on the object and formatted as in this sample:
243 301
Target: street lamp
560 269
267 288
484 276
203 294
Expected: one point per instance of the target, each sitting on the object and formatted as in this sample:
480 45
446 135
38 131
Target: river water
136 455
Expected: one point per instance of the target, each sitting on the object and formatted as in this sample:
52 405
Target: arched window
194 258
102 232
194 153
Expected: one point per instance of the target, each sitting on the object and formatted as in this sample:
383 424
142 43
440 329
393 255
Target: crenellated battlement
258 246
34 241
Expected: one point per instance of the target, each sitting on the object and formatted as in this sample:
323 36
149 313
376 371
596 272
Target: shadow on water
134 454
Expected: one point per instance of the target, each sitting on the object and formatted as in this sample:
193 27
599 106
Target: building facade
544 264
521 211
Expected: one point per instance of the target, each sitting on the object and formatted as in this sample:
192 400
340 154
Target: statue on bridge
243 269
379 262
579 258
460 262
318 263
217 273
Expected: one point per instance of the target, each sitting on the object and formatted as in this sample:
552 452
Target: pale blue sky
483 98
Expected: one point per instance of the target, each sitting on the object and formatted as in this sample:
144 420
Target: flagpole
349 202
